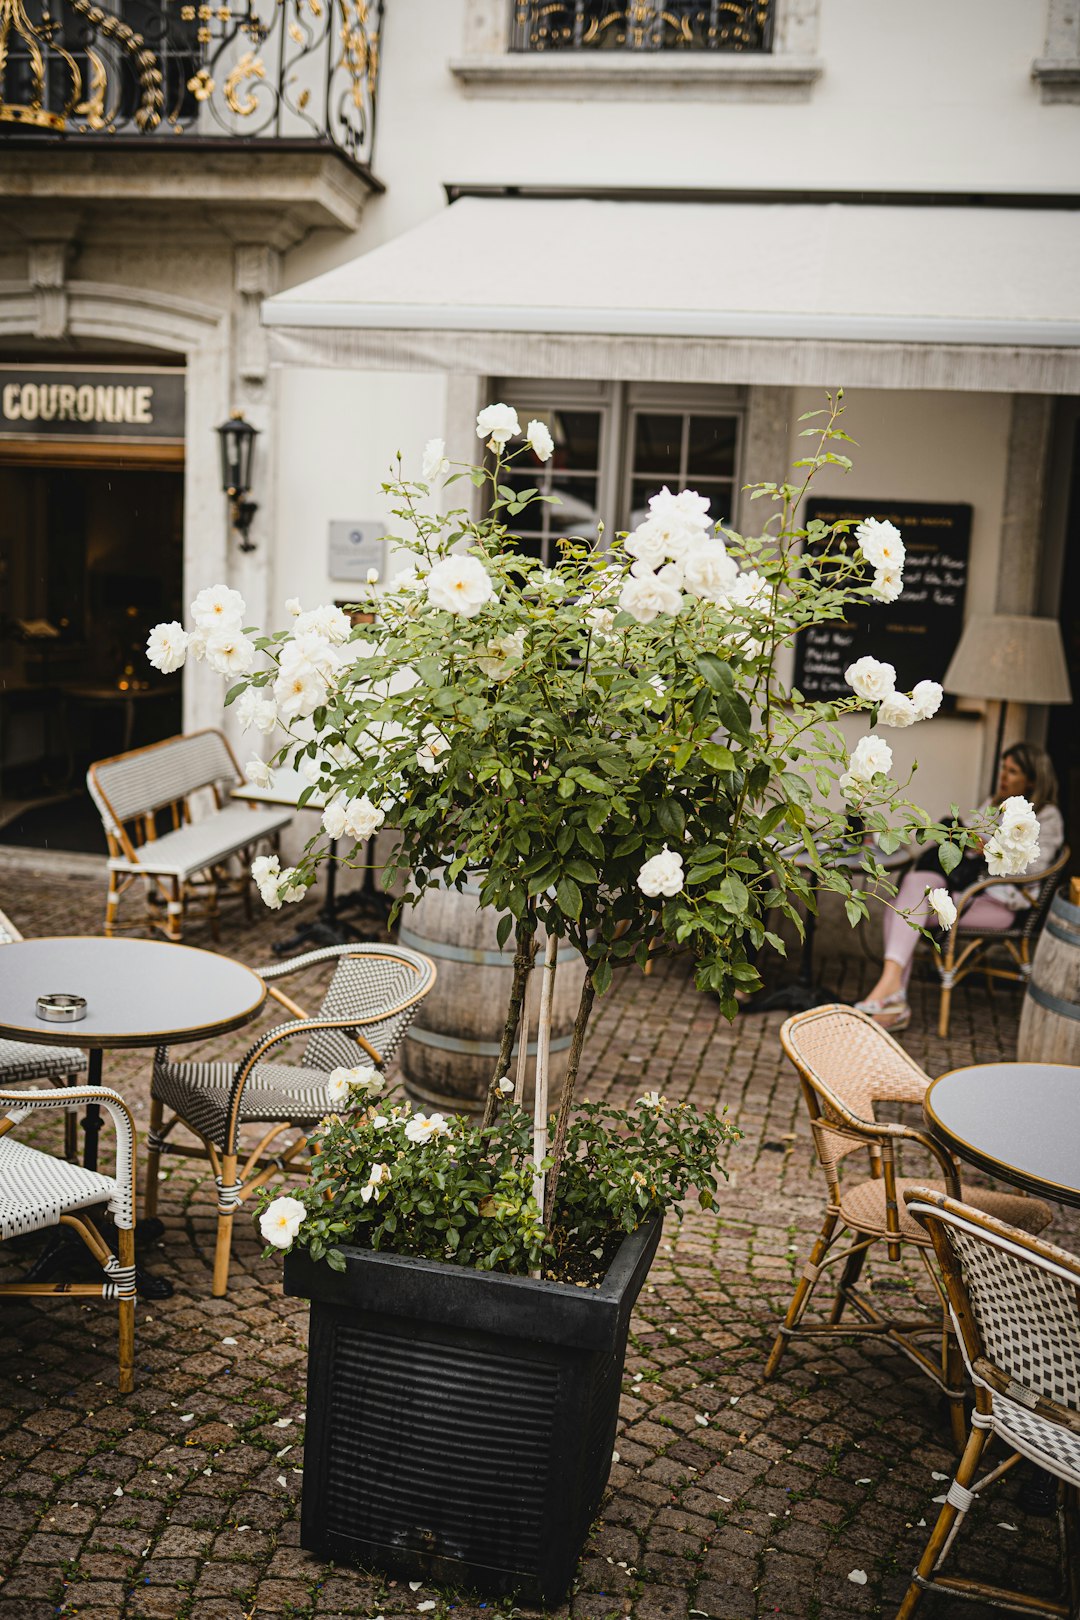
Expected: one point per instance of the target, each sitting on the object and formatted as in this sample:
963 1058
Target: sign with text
92 402
355 547
918 632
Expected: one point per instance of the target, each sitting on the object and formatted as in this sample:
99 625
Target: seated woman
1025 770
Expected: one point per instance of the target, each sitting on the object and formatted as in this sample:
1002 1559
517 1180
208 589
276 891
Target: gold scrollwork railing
695 25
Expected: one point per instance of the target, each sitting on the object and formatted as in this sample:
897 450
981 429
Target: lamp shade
1010 658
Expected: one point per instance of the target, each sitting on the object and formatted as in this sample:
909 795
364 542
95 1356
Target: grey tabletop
139 992
1020 1122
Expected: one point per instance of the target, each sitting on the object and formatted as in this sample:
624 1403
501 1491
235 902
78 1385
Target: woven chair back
145 780
369 981
1036 913
1016 1302
9 934
851 1062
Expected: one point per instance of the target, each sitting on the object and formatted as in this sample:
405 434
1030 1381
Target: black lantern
237 448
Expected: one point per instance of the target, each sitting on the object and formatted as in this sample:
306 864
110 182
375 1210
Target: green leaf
596 815
672 817
504 930
854 912
602 977
731 706
949 857
234 692
717 757
582 871
734 895
568 897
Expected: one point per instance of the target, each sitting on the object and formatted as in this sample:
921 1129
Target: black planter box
460 1423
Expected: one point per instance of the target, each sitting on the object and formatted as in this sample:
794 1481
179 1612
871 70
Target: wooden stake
543 1045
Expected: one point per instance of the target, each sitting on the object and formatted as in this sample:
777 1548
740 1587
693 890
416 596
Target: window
695 25
616 445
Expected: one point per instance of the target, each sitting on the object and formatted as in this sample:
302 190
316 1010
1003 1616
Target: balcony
292 75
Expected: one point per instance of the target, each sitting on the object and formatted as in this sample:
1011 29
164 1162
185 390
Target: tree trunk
523 961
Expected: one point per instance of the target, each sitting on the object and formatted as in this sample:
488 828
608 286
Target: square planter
460 1423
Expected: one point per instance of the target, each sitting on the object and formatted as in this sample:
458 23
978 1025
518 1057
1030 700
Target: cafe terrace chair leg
1012 1298
153 1159
41 1191
229 1194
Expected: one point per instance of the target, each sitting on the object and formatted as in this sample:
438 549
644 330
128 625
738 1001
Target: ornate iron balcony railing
292 70
688 25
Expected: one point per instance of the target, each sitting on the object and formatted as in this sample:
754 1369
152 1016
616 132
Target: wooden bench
191 860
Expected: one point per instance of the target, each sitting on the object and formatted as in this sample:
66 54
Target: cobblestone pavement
731 1498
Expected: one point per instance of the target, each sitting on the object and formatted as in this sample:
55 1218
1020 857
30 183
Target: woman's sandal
893 1013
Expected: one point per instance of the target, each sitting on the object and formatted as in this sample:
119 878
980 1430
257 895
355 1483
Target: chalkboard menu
918 632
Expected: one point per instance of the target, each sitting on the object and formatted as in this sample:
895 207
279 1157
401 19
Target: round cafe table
138 992
1020 1122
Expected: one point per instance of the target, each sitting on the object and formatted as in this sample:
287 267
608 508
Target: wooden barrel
449 1053
1050 1020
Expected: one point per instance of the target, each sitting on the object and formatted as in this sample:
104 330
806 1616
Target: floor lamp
1009 659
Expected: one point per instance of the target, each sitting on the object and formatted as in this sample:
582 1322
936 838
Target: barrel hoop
1065 908
1066 937
1054 1004
451 1043
475 956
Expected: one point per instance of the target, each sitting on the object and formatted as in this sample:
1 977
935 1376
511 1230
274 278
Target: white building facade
668 230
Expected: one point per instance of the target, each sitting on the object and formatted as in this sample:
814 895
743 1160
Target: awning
882 296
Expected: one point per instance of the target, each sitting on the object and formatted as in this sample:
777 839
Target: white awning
758 292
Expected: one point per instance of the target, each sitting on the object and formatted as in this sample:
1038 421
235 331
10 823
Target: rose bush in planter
609 744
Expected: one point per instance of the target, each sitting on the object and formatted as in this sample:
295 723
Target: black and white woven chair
371 1001
38 1191
24 1060
1013 1301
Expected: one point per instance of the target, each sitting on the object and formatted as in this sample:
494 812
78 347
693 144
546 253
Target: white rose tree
608 741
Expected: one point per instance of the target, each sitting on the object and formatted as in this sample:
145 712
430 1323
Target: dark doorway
1063 733
90 558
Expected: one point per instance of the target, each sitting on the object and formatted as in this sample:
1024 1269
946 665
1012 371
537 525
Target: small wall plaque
59 1008
356 547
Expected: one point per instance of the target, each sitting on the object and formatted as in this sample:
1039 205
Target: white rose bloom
362 818
166 646
292 606
497 424
376 1176
366 1080
881 544
663 874
941 904
502 655
433 745
751 590
887 584
460 585
256 708
281 1220
298 690
897 710
505 1085
258 772
870 679
435 465
230 653
688 506
310 647
218 608
1008 860
406 580
648 544
646 595
328 622
926 697
337 1087
708 572
333 819
653 1100
422 1127
870 756
1018 820
541 443
290 890
263 868
601 622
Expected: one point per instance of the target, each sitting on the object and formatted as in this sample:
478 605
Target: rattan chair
26 1060
38 1191
371 1001
1013 1301
847 1064
965 949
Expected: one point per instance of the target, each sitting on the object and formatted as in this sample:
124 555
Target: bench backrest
137 784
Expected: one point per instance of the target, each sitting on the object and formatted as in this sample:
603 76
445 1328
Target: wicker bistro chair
191 862
372 998
38 1191
1013 1301
25 1060
847 1064
964 949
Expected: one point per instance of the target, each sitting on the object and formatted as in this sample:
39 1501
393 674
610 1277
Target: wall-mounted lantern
237 439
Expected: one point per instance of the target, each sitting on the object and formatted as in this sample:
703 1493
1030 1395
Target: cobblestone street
730 1498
